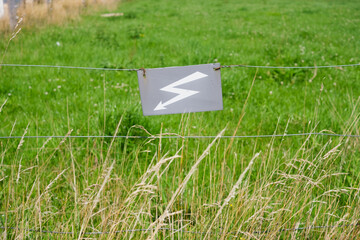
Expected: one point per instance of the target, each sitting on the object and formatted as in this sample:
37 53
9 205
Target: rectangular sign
186 89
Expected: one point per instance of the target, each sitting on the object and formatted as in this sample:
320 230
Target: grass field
241 188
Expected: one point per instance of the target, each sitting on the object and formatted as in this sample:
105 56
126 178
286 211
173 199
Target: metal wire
67 67
133 69
106 232
181 230
307 228
190 137
291 67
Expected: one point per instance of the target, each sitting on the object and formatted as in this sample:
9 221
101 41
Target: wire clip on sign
186 89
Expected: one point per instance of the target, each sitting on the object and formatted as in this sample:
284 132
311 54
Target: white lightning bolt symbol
182 93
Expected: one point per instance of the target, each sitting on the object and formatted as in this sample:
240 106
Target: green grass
294 182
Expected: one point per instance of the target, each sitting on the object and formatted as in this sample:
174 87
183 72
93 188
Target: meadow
181 188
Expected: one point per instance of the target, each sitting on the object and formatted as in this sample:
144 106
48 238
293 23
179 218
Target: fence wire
135 69
66 67
291 67
184 231
191 137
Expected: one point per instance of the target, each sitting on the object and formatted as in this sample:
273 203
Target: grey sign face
180 89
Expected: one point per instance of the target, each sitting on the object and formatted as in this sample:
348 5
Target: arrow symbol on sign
182 93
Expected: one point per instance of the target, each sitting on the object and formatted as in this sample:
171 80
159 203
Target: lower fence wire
185 231
190 137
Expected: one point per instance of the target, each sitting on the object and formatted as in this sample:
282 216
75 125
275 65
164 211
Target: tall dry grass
87 187
56 12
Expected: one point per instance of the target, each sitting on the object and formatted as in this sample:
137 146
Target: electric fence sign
185 89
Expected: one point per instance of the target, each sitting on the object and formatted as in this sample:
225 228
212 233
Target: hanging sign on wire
185 89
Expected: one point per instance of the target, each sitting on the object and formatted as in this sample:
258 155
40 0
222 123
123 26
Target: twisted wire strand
135 69
190 137
183 231
291 67
67 67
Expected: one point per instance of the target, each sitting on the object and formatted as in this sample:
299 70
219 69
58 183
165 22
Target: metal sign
180 89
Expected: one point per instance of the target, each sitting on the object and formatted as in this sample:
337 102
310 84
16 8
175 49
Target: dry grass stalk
314 76
232 193
42 148
37 202
332 151
17 29
145 190
2 106
241 115
146 180
22 138
155 169
53 181
113 139
106 174
158 223
57 148
14 33
243 112
95 201
19 171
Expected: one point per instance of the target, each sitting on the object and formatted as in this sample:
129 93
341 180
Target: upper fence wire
136 69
